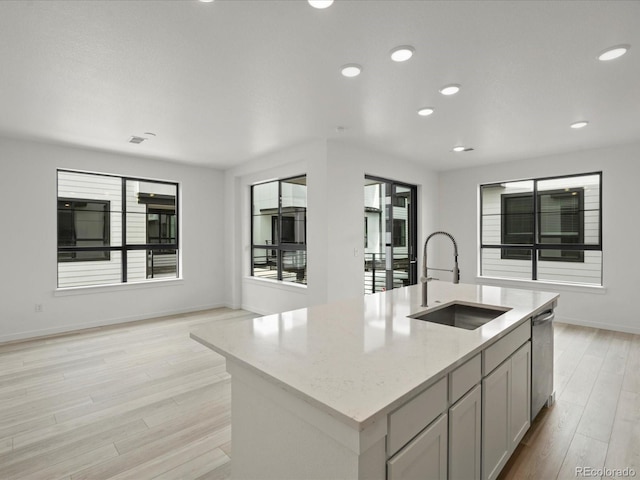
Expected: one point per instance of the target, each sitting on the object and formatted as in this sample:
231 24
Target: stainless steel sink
458 315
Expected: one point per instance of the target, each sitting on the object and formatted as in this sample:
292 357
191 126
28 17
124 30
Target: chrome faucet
425 279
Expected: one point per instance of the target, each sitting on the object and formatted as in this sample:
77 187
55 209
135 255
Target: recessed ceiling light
425 111
320 3
350 70
136 139
206 1
459 148
402 53
580 124
613 52
450 89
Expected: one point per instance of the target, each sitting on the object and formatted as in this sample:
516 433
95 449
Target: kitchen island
357 389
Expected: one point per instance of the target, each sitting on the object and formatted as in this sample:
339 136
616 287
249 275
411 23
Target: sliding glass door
390 239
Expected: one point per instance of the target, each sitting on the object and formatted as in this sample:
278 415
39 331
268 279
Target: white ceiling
223 82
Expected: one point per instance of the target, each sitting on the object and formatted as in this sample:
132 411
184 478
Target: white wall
29 242
347 167
335 227
610 307
260 295
215 232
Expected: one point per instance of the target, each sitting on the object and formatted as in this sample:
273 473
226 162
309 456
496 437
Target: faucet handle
424 279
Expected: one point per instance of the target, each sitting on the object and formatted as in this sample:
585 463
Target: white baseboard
603 326
259 311
102 323
233 306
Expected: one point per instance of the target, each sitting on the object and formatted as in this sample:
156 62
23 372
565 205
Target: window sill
115 287
277 284
541 285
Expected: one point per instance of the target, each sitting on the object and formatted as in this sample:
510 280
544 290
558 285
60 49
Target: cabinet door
424 457
520 393
464 437
496 434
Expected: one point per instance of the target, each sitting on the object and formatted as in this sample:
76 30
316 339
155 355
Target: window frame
124 247
537 248
281 247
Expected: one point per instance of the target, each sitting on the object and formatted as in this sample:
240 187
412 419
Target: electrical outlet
38 307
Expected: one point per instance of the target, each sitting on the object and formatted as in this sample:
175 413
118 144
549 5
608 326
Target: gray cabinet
424 457
520 394
496 389
465 436
467 424
505 410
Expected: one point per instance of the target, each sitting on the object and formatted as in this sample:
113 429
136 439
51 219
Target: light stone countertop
361 358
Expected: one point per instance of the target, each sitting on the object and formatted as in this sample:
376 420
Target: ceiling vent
135 139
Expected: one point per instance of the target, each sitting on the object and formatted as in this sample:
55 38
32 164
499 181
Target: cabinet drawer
412 417
463 378
503 348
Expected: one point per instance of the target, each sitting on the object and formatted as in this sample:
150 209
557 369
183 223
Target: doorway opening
390 235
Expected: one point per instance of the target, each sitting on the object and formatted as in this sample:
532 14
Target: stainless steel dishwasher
542 361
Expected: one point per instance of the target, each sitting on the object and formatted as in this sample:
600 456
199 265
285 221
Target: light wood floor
139 401
144 401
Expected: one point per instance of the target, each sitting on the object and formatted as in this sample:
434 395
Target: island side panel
277 436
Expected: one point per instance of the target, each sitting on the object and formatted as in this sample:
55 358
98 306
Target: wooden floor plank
222 472
579 387
137 399
599 413
185 461
624 445
631 381
99 418
60 470
616 358
6 445
26 461
584 453
218 416
197 467
157 449
11 428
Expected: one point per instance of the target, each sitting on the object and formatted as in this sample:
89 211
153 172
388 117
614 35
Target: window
83 223
115 229
543 229
279 230
561 222
399 232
